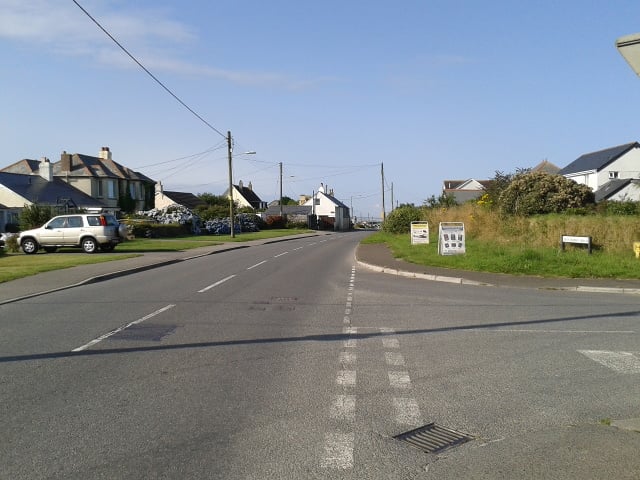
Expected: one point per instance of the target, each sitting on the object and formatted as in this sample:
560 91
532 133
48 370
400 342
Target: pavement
376 257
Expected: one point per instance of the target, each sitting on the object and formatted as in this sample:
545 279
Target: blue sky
435 90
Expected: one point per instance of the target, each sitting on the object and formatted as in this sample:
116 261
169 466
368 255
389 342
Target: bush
11 244
399 220
158 230
34 216
535 193
275 221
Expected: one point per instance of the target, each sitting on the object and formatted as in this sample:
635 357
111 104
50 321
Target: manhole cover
433 438
145 332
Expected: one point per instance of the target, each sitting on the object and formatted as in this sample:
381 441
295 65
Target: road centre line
124 327
256 265
219 282
299 248
280 254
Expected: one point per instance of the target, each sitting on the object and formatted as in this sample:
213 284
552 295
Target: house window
614 174
100 189
132 190
111 188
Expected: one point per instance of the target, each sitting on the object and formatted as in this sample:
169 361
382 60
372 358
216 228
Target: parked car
89 231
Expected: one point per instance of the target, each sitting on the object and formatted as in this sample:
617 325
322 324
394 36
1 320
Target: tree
443 201
211 199
288 201
399 220
534 193
34 216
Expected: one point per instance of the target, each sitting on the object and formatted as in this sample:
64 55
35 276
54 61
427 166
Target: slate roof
547 167
274 210
335 200
611 188
249 195
81 166
597 160
185 199
38 190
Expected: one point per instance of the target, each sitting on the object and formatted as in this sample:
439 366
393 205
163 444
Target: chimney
65 162
159 190
105 153
239 184
45 169
250 187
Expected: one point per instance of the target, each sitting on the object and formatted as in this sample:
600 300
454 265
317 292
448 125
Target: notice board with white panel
451 238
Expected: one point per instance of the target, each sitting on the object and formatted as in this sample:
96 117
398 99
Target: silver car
89 231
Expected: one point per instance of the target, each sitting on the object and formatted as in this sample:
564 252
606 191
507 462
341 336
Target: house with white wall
598 169
328 208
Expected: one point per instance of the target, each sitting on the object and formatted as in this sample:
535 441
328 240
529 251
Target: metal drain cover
433 438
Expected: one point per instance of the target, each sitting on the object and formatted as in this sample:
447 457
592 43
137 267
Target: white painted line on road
394 358
338 451
622 362
351 343
343 407
400 380
347 358
280 254
346 378
213 285
350 330
256 265
299 248
532 330
387 330
407 411
118 330
346 319
390 342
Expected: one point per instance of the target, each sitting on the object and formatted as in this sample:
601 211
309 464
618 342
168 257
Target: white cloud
150 35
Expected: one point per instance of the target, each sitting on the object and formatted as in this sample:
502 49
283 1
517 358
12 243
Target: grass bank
18 265
515 258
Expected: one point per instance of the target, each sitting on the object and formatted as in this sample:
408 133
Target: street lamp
629 48
230 152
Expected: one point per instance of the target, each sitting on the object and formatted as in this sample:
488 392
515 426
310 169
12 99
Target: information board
419 232
451 238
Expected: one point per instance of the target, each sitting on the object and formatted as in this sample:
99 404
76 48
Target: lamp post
629 48
230 154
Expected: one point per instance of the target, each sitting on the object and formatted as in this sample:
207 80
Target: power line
148 72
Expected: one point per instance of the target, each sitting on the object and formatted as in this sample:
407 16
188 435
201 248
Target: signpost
419 233
451 238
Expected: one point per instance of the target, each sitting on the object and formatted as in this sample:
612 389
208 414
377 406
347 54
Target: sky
362 96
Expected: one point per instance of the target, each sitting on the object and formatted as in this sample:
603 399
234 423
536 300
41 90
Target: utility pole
231 219
382 175
392 196
280 190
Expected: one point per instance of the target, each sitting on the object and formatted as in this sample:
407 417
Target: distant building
246 197
165 198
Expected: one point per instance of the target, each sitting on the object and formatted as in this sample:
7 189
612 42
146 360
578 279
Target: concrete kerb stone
422 276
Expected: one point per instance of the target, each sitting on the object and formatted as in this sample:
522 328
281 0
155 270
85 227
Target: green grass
18 265
516 259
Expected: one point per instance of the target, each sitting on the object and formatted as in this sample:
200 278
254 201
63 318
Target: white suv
89 231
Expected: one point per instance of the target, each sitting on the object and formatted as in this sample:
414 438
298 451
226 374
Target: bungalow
165 198
464 190
246 197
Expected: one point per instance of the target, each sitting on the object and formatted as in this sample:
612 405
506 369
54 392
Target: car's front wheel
89 245
29 246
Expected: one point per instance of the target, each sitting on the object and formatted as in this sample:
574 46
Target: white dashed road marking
338 449
220 282
124 327
621 362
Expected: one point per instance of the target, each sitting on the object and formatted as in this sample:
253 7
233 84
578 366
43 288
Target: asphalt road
289 361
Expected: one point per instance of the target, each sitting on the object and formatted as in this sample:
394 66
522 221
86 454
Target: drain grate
433 438
145 332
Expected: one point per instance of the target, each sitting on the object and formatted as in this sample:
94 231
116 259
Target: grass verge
18 265
486 256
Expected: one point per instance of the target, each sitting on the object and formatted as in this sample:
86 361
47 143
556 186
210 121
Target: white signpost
419 232
451 238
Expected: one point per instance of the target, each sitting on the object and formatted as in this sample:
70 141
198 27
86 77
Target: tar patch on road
145 332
